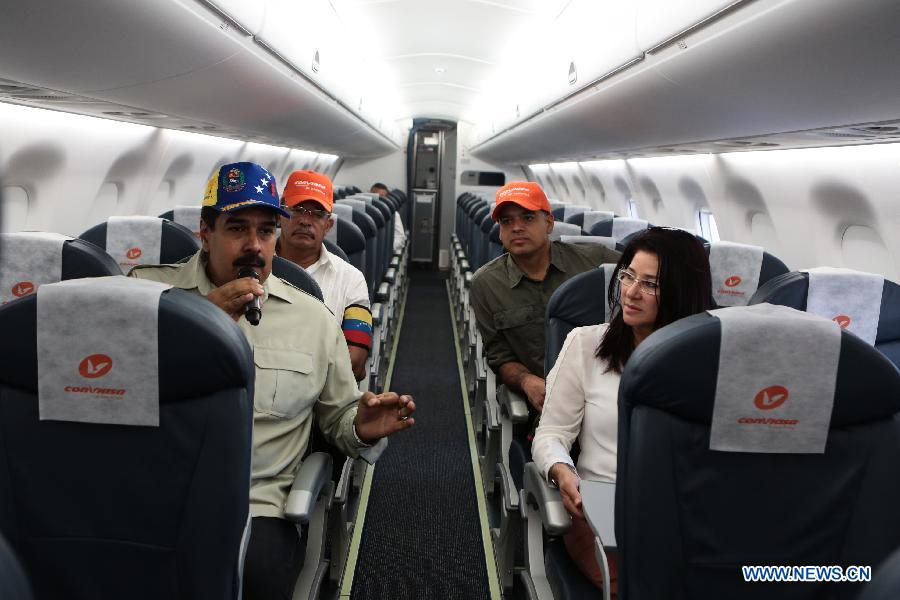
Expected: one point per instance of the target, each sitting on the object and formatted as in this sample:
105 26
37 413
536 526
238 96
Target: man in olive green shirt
510 293
303 370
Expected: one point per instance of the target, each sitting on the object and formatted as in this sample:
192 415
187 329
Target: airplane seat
738 270
561 228
13 581
336 250
481 221
885 584
404 207
369 229
354 189
378 206
188 216
296 276
349 238
591 240
578 302
567 211
30 259
476 213
487 225
153 502
617 227
713 475
586 220
627 239
495 246
565 580
879 316
143 240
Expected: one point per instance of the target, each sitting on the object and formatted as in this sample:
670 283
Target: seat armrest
391 275
464 265
342 491
549 503
515 404
395 262
508 489
377 313
314 473
383 292
468 278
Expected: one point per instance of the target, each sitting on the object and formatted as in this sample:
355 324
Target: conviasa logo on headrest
770 397
732 281
95 365
842 320
23 288
133 253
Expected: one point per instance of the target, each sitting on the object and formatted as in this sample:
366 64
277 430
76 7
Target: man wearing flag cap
295 344
308 197
510 293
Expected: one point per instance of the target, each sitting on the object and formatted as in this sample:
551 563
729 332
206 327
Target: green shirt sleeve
336 407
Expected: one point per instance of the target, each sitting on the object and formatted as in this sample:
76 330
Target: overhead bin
182 60
767 67
249 16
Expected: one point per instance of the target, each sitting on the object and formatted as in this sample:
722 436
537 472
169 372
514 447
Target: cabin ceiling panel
785 67
94 45
423 92
265 99
466 28
180 64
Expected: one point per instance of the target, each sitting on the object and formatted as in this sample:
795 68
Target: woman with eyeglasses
663 275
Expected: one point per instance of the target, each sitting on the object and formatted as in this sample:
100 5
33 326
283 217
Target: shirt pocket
522 327
284 386
512 318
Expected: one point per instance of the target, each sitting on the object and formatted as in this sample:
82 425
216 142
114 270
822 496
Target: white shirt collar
323 263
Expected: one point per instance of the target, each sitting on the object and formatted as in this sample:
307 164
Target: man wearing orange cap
308 197
510 293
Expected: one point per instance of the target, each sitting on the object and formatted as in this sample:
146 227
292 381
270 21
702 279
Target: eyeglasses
301 211
627 279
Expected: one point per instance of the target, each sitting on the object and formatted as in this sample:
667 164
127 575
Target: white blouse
581 403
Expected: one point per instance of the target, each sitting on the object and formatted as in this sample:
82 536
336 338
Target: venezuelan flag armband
357 326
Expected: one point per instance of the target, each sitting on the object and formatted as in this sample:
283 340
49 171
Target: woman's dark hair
685 288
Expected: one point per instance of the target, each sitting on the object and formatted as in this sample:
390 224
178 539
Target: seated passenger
308 197
510 293
663 276
302 366
399 232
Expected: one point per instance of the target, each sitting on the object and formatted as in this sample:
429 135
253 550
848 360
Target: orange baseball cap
308 185
526 194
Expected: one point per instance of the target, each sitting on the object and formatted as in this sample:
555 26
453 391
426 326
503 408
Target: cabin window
632 209
762 233
707 225
864 250
107 202
14 214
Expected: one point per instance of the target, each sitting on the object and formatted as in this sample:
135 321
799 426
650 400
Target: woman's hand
567 481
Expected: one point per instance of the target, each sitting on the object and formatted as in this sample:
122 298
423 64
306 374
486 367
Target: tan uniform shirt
302 371
510 308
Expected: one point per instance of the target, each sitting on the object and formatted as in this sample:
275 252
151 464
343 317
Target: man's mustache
250 260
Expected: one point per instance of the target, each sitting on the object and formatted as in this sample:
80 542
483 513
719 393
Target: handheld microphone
253 309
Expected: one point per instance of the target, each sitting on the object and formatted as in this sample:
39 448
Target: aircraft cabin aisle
744 451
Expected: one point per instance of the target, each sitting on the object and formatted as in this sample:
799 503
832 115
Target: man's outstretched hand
383 415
